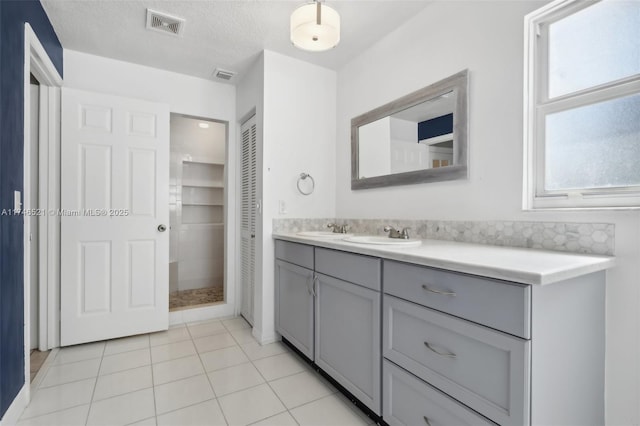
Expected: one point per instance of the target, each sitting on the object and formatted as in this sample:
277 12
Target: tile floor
208 373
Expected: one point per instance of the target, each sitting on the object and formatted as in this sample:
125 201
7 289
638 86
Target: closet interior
196 201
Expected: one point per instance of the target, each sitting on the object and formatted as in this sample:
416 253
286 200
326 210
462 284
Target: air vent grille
223 74
164 23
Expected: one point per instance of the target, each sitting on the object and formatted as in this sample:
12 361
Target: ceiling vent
223 74
164 23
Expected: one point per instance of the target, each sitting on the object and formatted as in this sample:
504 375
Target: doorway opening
197 212
37 357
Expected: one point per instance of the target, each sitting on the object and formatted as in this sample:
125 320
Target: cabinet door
348 337
294 305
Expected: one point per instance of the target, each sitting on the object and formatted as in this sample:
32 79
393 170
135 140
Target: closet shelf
197 184
203 161
220 204
201 225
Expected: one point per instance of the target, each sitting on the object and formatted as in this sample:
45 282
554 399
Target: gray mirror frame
458 82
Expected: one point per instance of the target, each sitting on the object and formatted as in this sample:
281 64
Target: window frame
537 105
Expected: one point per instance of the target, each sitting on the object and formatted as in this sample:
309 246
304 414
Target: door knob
162 228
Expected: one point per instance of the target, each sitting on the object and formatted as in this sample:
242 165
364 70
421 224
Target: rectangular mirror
421 137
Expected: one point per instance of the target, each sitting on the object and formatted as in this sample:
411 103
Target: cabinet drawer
355 268
498 304
298 254
408 401
483 368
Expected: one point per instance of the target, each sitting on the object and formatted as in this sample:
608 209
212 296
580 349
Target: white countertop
527 266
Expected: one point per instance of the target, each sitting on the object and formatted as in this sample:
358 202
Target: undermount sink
383 241
323 234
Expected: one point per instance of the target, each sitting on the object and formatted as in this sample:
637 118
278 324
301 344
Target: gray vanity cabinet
294 305
425 346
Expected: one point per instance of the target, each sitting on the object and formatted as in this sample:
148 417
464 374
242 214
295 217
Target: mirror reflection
416 138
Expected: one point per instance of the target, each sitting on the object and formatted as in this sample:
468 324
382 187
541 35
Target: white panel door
115 188
248 217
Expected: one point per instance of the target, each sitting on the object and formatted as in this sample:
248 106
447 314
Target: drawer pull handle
314 284
310 284
447 354
426 420
433 290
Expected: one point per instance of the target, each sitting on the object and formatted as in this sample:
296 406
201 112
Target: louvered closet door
114 196
248 216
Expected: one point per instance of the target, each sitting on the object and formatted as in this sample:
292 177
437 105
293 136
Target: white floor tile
300 388
278 366
255 350
182 393
79 353
126 344
208 328
211 343
177 369
282 419
235 323
76 416
329 410
177 334
205 413
123 409
58 398
123 382
250 405
151 421
72 372
223 358
243 335
172 351
125 361
355 409
235 378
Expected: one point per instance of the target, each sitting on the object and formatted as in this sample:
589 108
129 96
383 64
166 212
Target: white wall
374 158
298 136
487 38
185 95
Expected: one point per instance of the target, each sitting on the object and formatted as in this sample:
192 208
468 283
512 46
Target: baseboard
265 338
16 408
222 310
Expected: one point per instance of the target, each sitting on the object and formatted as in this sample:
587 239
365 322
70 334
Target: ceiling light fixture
315 27
203 125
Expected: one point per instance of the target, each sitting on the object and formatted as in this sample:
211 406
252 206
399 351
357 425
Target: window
582 105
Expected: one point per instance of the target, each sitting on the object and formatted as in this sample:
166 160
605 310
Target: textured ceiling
228 34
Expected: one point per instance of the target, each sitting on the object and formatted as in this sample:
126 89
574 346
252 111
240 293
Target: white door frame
38 63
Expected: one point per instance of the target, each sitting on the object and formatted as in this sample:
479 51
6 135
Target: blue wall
435 127
13 15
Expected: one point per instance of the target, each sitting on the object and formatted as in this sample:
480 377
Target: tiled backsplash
590 238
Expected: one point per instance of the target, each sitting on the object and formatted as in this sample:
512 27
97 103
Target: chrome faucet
394 233
338 229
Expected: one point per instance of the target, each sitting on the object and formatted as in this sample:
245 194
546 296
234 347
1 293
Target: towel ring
302 177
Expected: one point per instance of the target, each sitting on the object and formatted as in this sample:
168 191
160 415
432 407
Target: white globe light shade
306 34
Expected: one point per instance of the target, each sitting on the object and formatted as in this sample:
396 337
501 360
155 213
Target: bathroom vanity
449 333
